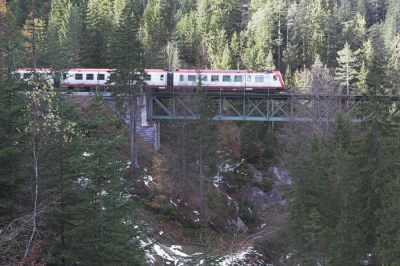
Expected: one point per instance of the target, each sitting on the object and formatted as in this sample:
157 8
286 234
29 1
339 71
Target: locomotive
88 78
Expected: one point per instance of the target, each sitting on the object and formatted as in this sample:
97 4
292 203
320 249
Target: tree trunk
33 37
36 188
62 196
134 152
279 42
184 161
201 182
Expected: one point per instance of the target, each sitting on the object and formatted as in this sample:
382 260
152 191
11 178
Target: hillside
78 185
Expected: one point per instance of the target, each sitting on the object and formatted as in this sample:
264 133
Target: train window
248 78
204 78
146 77
78 76
101 77
238 78
259 78
191 77
226 78
89 77
64 76
162 77
181 78
214 78
27 75
17 75
275 77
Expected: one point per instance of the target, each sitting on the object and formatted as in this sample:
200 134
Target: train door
170 80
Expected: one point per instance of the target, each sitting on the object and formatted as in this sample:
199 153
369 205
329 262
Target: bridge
158 105
253 106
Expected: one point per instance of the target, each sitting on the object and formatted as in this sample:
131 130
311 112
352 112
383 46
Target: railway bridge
158 105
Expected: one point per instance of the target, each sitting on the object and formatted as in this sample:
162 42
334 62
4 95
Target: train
88 78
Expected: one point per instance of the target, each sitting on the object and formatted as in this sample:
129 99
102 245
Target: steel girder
266 108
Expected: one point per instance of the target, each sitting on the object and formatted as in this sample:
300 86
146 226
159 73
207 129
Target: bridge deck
263 106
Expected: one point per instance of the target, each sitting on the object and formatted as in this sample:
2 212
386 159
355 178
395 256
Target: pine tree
262 25
236 51
75 29
127 59
354 32
156 29
392 21
346 71
218 50
388 242
216 15
291 54
101 227
12 182
125 46
97 28
393 68
269 62
344 240
254 57
58 34
188 35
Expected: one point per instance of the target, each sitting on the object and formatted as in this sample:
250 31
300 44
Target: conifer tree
393 68
218 50
254 56
354 31
75 28
97 29
388 242
236 51
128 61
219 14
58 34
188 36
101 227
269 62
391 25
346 70
11 153
156 29
344 240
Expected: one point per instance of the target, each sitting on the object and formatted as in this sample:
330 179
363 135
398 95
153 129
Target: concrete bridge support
147 129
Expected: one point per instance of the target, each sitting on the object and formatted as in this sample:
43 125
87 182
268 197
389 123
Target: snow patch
87 154
173 203
83 181
177 250
217 180
148 180
261 226
161 252
168 255
239 258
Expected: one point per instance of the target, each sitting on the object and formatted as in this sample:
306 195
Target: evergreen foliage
101 225
346 70
343 204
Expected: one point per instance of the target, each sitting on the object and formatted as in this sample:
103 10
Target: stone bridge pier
148 129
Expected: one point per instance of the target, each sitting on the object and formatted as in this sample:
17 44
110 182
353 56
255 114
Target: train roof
179 71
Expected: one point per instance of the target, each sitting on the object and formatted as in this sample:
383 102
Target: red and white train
87 78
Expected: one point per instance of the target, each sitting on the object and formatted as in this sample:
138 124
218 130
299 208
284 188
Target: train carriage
89 78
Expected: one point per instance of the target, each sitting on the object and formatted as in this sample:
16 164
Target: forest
78 187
